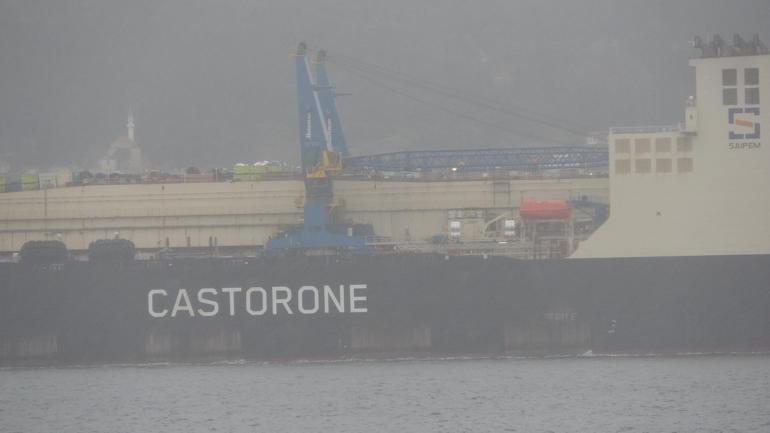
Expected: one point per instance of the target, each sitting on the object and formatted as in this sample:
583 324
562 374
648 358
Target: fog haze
211 83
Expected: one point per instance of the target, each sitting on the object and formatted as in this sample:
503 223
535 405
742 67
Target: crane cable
487 103
440 107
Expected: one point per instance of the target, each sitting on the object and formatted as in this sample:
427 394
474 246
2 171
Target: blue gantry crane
322 147
531 159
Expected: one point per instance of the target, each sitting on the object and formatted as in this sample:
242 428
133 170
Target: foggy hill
211 83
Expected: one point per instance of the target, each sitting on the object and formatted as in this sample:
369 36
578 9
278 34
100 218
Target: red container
545 210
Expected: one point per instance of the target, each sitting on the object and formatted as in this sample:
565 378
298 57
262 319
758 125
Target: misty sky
211 82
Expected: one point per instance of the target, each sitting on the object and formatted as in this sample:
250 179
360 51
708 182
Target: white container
47 180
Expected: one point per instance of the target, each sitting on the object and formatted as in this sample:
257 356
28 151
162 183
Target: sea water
584 394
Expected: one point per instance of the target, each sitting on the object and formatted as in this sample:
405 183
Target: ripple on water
719 393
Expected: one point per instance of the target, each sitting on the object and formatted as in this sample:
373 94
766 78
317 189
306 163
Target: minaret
130 125
135 153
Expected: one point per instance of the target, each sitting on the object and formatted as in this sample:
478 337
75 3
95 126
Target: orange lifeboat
545 209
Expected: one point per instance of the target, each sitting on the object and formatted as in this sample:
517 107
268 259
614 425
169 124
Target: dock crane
322 147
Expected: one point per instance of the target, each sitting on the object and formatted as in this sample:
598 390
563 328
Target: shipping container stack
30 182
257 171
47 180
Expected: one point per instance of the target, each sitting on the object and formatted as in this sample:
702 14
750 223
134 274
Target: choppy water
681 394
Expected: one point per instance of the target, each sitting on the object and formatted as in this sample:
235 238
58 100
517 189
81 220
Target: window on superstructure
643 166
683 144
642 145
751 76
663 145
684 165
729 77
752 96
622 145
622 166
663 166
730 96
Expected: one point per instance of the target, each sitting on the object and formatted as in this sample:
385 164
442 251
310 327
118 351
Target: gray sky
211 82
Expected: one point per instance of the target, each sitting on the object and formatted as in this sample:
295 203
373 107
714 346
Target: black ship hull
391 305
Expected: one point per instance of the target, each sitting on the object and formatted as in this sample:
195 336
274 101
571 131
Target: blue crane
518 158
322 146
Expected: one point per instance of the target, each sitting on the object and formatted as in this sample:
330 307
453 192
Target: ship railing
378 240
644 129
520 250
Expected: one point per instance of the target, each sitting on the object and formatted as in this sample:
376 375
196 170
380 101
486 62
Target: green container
242 169
30 182
29 179
250 172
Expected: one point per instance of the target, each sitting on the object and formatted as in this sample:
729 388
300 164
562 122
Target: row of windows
644 165
730 89
730 96
750 77
644 145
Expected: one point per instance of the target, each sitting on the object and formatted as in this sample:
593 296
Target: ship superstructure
699 187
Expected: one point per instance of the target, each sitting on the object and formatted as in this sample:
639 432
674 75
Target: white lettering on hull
250 304
330 297
257 301
150 303
231 291
304 309
281 296
355 299
210 302
182 303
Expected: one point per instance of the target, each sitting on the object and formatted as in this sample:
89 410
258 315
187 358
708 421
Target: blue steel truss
522 158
